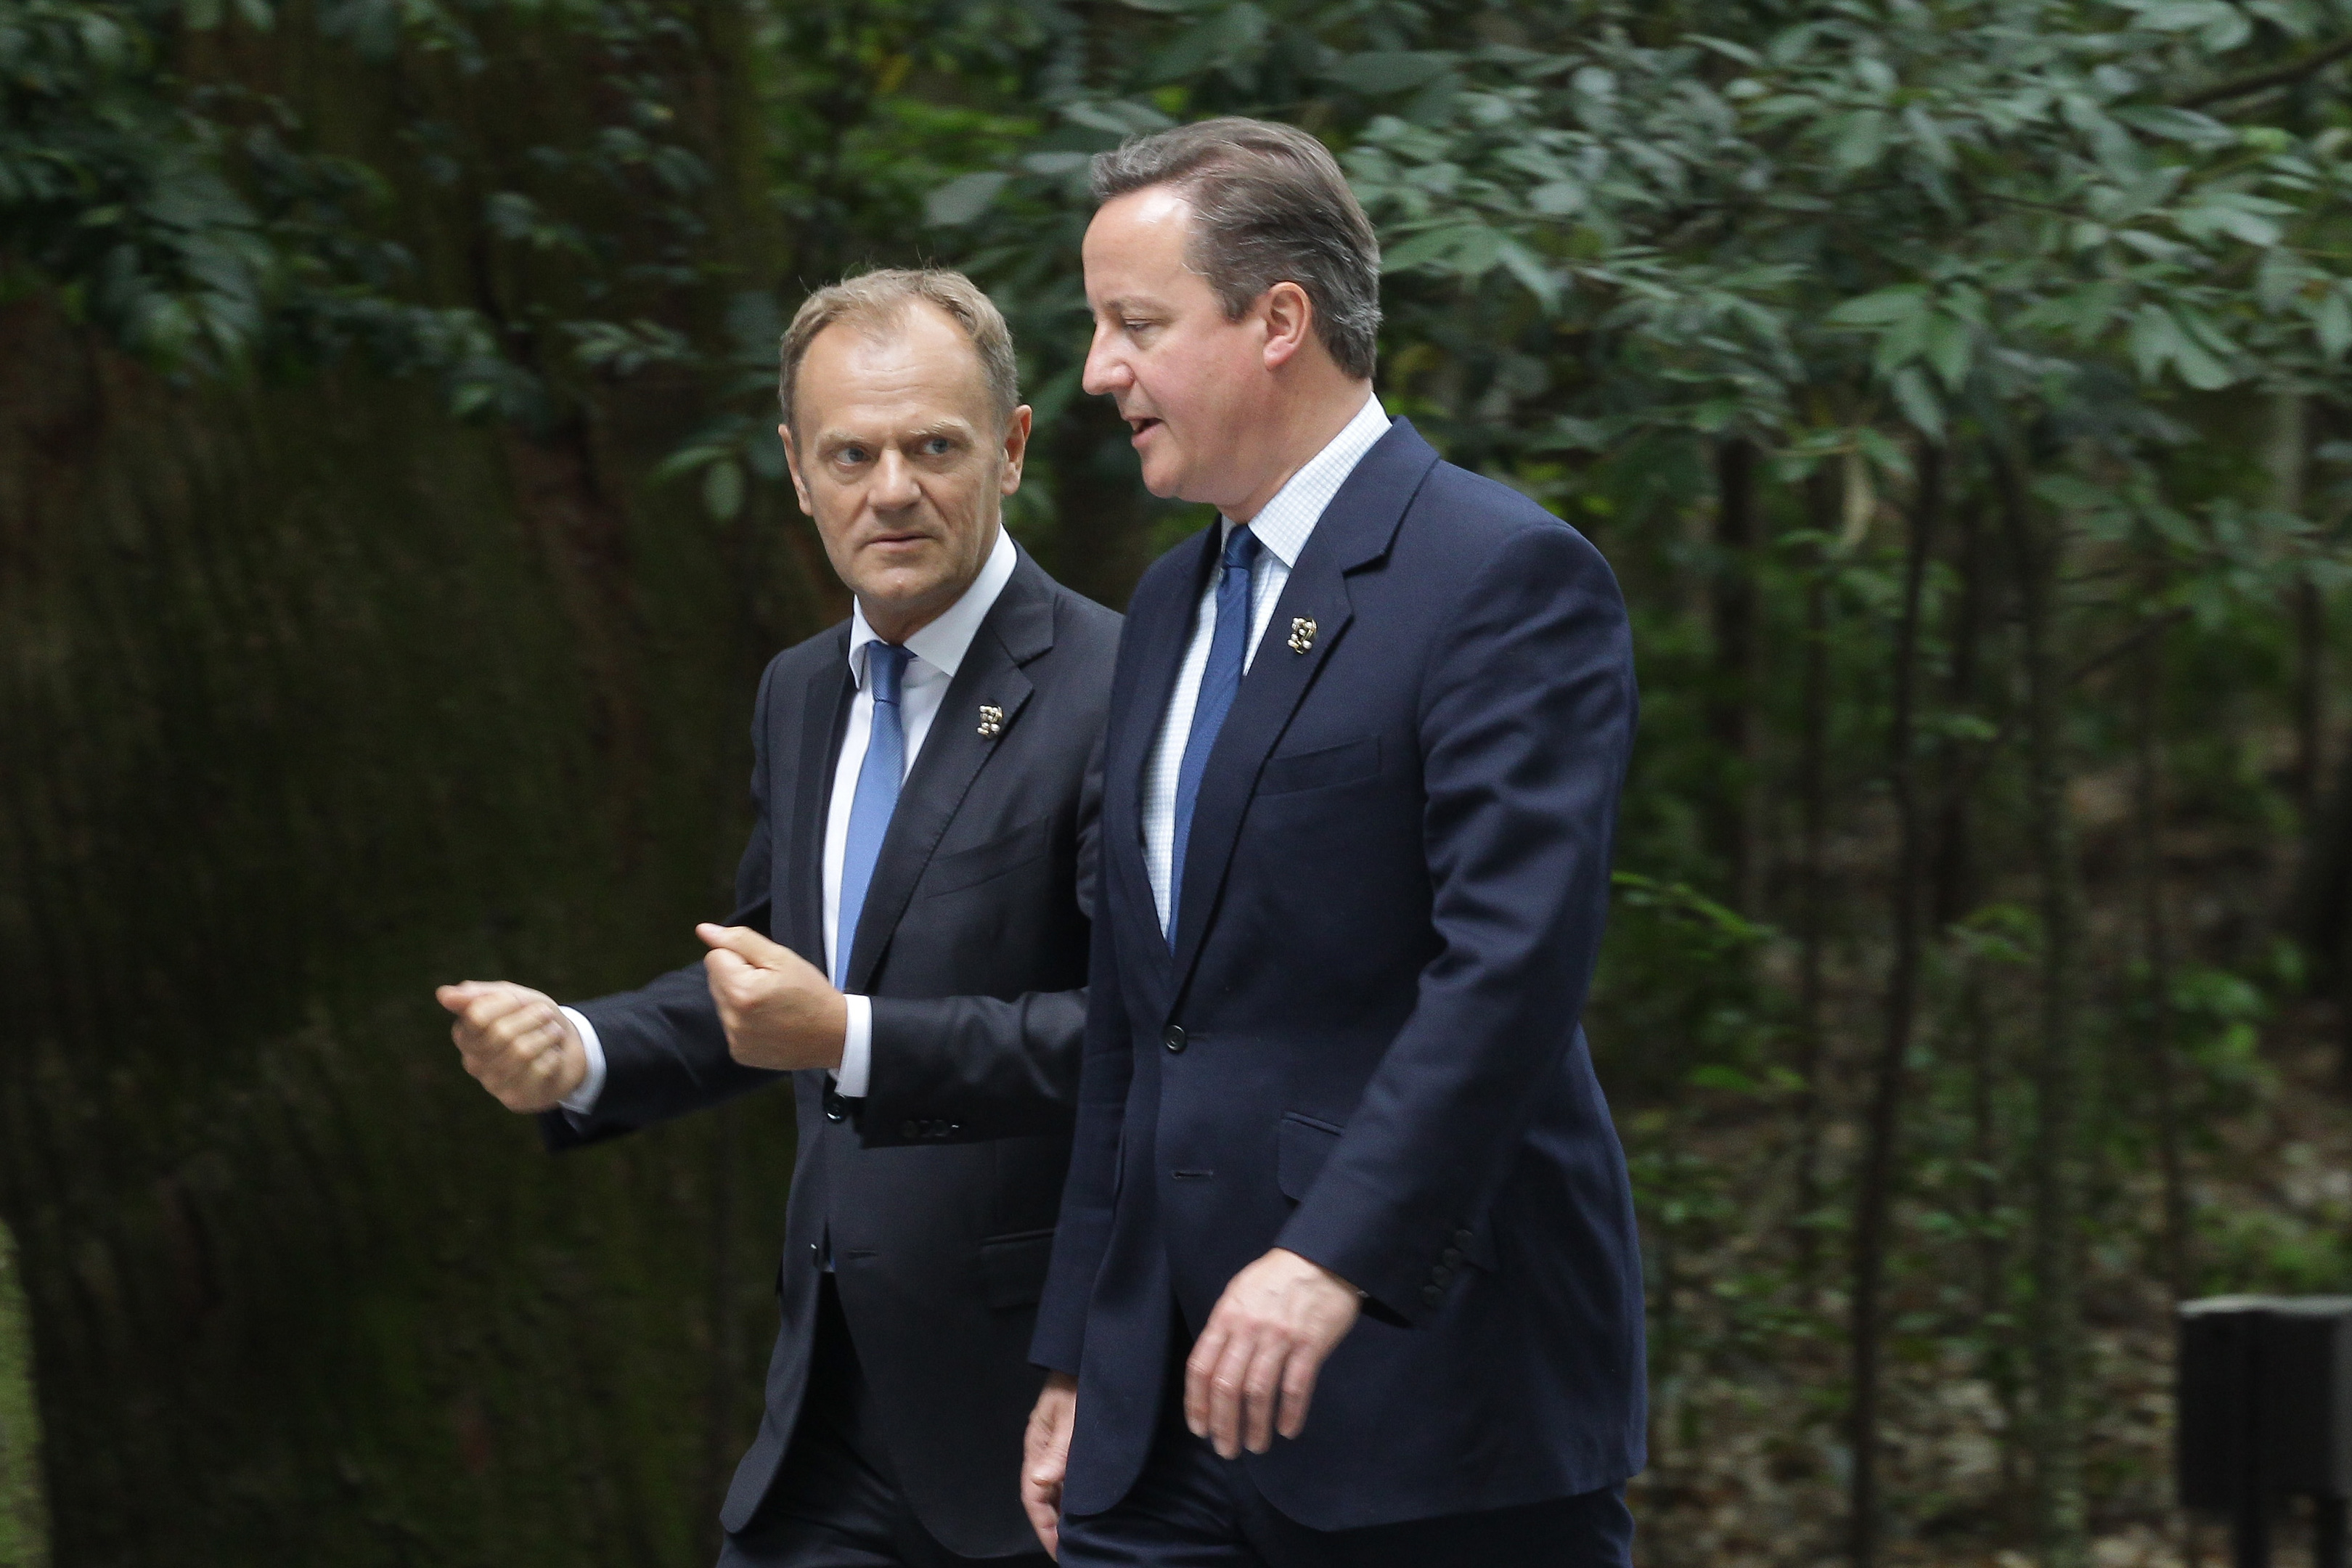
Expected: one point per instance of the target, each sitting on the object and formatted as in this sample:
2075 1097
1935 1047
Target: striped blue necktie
1219 681
879 778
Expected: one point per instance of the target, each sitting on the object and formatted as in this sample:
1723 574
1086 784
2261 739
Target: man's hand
1045 1457
780 1011
517 1042
1252 1369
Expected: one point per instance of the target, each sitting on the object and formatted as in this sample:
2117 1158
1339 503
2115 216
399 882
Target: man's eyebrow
949 426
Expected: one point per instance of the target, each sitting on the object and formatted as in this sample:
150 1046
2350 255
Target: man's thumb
455 997
742 940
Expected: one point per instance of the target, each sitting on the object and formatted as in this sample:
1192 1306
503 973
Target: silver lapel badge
991 720
1302 634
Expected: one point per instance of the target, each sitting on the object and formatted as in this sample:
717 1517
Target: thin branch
2278 76
2099 661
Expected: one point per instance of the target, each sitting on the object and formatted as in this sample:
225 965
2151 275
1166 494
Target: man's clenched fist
516 1041
779 1010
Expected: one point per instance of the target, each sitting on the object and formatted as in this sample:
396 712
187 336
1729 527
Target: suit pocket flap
1302 1144
1012 1268
965 867
1342 763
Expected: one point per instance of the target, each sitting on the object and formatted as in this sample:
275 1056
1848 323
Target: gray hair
1269 205
876 301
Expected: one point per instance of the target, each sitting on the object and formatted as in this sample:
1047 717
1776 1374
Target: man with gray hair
909 947
1339 1146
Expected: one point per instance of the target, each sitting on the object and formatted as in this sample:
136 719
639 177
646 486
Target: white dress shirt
937 652
1282 527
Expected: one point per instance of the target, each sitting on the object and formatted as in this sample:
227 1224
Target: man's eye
938 447
1134 328
849 454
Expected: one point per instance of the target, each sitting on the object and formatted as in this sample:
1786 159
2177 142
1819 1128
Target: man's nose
1107 370
894 484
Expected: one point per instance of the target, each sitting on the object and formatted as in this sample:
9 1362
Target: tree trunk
2287 453
329 704
1956 892
24 1507
2054 1334
1732 696
1812 890
2155 952
1874 1196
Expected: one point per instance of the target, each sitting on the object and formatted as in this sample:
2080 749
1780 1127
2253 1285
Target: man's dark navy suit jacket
935 1195
1364 1046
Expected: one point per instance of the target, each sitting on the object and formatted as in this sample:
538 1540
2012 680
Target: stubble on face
900 462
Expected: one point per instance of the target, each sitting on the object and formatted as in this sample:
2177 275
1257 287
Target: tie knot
1240 548
884 663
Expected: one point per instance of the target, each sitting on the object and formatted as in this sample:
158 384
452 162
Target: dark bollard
2265 1414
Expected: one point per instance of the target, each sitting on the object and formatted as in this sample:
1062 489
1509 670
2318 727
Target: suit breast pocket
1012 1268
1321 768
1005 852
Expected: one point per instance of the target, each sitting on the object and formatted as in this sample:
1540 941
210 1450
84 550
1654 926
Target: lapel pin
991 720
1302 634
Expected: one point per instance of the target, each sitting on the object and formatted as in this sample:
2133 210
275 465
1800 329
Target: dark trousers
1194 1509
837 1502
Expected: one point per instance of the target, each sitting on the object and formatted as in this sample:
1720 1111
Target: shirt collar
1283 524
944 643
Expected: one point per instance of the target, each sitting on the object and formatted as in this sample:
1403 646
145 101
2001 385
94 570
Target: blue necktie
879 778
1219 681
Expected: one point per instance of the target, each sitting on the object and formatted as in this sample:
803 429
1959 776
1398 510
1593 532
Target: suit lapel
1018 629
824 713
1355 529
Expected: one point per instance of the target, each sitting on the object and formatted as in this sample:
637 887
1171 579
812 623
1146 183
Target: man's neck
1308 424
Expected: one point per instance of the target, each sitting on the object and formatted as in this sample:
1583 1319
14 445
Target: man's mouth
1142 424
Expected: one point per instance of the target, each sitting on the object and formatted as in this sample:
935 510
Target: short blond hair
874 301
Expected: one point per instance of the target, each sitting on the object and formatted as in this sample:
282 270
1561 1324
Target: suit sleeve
665 1052
991 1067
1527 721
1082 1233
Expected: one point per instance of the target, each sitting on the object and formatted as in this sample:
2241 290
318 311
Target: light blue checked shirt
1281 528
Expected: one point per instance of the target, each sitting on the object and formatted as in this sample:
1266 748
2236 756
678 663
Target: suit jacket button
833 1113
955 1126
1440 1275
910 1129
815 1256
1463 1238
1449 1257
1432 1294
1175 1038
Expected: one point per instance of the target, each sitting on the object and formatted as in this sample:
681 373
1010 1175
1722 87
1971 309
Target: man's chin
1165 480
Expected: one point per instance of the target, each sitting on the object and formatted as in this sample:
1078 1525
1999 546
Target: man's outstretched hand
1045 1457
779 1010
1252 1372
517 1042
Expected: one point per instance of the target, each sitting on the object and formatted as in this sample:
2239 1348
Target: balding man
908 945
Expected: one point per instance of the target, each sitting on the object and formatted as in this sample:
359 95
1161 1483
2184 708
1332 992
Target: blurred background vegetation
391 530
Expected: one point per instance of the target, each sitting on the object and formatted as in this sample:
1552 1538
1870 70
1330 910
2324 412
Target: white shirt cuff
856 1070
581 1101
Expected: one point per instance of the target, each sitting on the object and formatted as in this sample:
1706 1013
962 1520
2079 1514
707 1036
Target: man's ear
1016 448
1290 316
793 467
